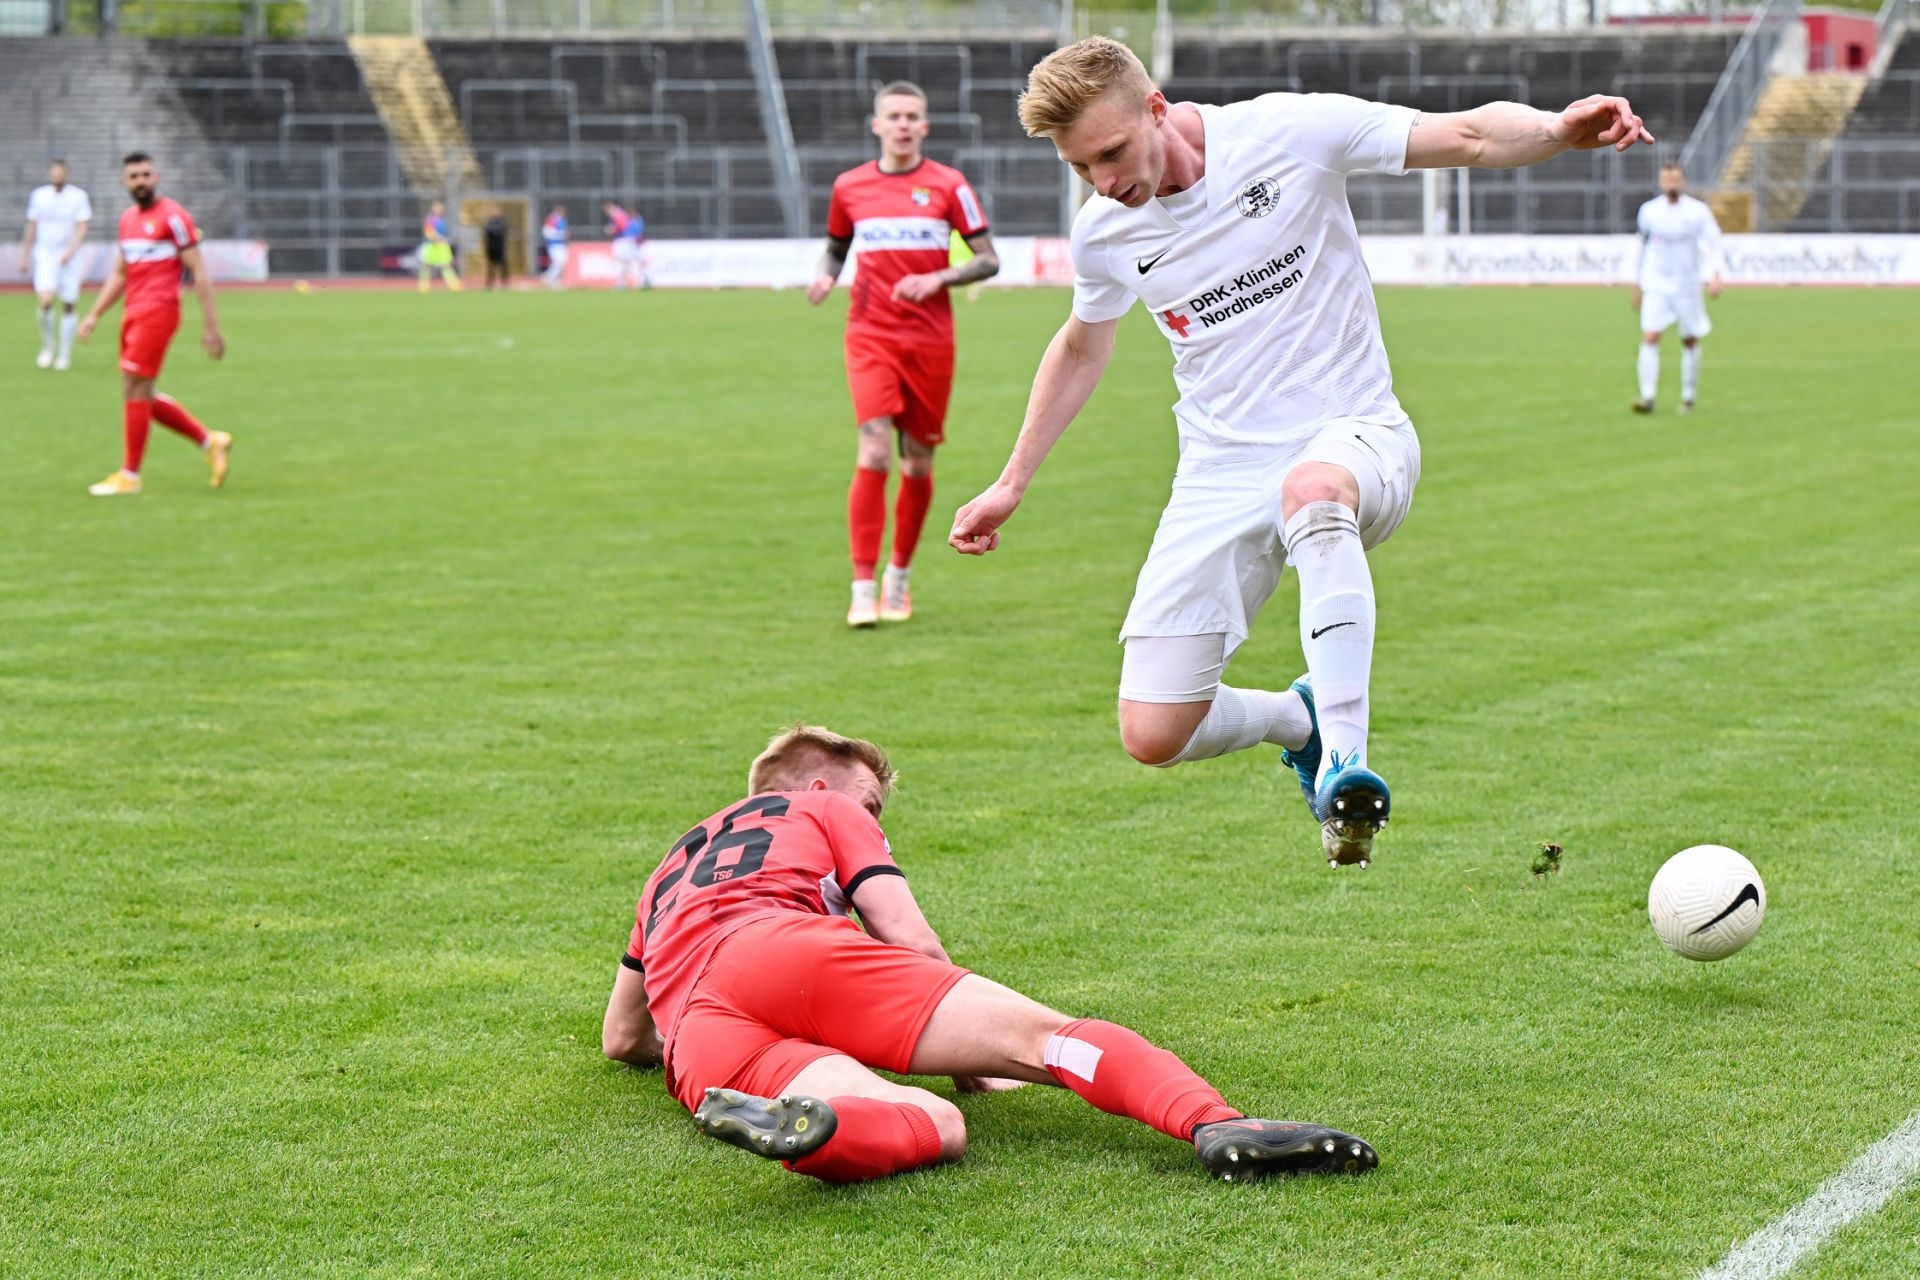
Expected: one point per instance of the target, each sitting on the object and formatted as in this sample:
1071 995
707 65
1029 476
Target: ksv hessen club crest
923 196
1259 198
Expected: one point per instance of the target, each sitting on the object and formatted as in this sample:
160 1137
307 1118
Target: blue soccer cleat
1352 803
1305 761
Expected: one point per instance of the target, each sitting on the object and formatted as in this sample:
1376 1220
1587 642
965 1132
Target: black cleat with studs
1242 1150
778 1128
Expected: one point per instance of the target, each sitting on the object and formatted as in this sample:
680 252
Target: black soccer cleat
1242 1150
784 1128
1642 406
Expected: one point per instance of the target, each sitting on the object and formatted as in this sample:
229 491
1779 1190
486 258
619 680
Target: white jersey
1255 273
56 215
1677 238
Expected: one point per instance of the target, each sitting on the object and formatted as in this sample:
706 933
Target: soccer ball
1707 902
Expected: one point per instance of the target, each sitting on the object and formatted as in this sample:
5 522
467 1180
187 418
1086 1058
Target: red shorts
780 994
909 384
144 339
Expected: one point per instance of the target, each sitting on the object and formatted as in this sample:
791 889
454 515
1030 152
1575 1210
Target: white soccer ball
1707 902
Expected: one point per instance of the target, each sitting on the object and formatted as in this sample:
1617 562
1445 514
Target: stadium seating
1873 179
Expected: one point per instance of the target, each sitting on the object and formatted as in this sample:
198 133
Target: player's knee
1152 742
1650 339
1689 343
1310 483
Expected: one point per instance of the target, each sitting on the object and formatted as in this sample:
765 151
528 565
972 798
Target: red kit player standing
771 1008
158 242
900 211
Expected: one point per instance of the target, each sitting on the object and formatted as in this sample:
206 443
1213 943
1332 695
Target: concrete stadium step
412 98
1790 133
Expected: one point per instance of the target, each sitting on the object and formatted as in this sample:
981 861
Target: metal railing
1743 82
773 118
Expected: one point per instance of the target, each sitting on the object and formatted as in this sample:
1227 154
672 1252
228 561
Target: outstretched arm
1071 369
1507 135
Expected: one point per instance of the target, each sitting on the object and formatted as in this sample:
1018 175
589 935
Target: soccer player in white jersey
1231 224
1678 239
57 218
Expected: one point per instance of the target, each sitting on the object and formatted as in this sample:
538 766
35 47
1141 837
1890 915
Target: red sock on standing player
866 520
1123 1074
875 1138
910 516
139 424
173 415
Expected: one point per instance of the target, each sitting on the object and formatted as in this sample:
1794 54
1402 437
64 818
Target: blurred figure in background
554 232
58 215
629 232
494 236
1678 238
436 249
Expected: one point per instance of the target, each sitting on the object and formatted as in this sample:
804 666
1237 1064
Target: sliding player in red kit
900 212
771 1008
158 244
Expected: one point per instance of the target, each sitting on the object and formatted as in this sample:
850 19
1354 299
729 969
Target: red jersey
902 224
150 241
804 851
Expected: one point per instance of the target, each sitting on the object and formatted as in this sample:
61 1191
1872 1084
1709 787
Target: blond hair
789 760
1067 81
900 89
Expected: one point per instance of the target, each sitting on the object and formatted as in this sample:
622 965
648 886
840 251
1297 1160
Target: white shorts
1686 308
1217 555
50 277
556 257
628 251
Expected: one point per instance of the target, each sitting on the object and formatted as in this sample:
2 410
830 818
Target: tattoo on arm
984 265
835 258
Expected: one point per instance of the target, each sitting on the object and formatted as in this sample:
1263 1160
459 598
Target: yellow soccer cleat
117 485
865 609
896 600
219 449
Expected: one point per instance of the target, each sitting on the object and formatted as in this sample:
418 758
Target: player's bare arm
984 265
109 294
1069 371
833 260
890 913
26 244
627 1033
1507 135
79 238
203 289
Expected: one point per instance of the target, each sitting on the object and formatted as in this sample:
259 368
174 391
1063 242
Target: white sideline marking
1856 1191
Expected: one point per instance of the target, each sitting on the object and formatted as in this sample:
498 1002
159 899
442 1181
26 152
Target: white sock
1689 371
68 323
1649 370
1336 623
1242 718
46 330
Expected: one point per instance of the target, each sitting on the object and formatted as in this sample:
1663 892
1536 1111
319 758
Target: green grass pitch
324 800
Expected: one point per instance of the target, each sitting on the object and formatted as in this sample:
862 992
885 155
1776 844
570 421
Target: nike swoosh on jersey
1146 264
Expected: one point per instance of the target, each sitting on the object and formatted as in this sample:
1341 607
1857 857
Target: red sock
139 423
170 413
910 516
866 520
875 1138
1121 1073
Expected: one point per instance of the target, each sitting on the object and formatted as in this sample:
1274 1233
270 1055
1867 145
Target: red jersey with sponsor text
150 241
789 851
902 224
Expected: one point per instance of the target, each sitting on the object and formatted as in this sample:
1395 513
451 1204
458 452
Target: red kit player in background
900 211
158 242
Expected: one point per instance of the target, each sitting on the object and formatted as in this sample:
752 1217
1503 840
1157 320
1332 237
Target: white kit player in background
1678 239
1232 225
57 218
